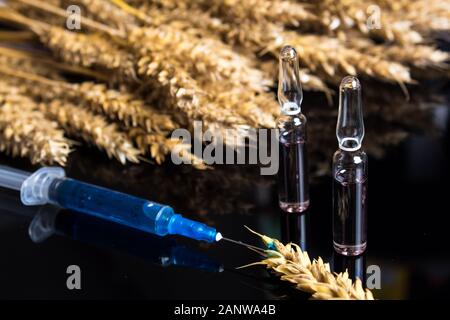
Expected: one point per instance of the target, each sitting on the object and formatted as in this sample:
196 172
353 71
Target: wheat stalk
16 36
25 132
91 128
87 50
28 65
51 7
38 14
314 277
40 63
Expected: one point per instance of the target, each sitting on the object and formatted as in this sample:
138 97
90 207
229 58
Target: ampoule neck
297 119
349 146
291 109
356 157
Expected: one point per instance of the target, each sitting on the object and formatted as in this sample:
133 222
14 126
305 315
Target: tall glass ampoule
350 167
293 187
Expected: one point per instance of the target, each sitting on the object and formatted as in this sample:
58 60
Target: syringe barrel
125 209
111 205
12 178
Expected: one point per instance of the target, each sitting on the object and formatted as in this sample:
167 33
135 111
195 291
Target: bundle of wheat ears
314 277
137 69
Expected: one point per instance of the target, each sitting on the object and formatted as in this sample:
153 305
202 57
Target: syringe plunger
12 178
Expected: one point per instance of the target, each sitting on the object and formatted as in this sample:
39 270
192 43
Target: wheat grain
330 58
105 12
133 112
347 15
194 19
205 59
175 89
115 104
314 277
91 50
426 16
25 132
168 85
91 128
159 146
325 56
38 62
419 56
258 11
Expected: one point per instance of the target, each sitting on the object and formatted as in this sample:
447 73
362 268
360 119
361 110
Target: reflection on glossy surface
49 220
355 266
295 228
405 229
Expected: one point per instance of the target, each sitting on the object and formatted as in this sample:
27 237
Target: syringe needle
249 246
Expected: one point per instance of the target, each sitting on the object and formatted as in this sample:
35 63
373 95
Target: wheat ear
114 104
315 277
92 128
25 132
257 11
158 146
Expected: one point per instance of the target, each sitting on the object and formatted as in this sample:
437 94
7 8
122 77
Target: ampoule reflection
293 170
355 266
295 228
350 167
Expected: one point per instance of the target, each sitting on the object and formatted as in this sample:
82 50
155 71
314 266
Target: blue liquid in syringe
127 210
111 205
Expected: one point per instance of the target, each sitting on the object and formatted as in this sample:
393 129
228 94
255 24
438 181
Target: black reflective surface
407 236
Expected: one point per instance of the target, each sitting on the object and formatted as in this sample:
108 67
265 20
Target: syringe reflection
49 220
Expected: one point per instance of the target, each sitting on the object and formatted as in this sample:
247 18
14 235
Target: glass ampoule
350 173
293 187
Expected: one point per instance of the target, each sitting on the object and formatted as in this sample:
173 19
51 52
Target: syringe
50 185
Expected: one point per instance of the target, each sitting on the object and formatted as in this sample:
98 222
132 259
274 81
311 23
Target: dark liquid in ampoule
349 214
293 177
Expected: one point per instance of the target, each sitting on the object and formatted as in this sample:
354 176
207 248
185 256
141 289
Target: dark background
408 230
